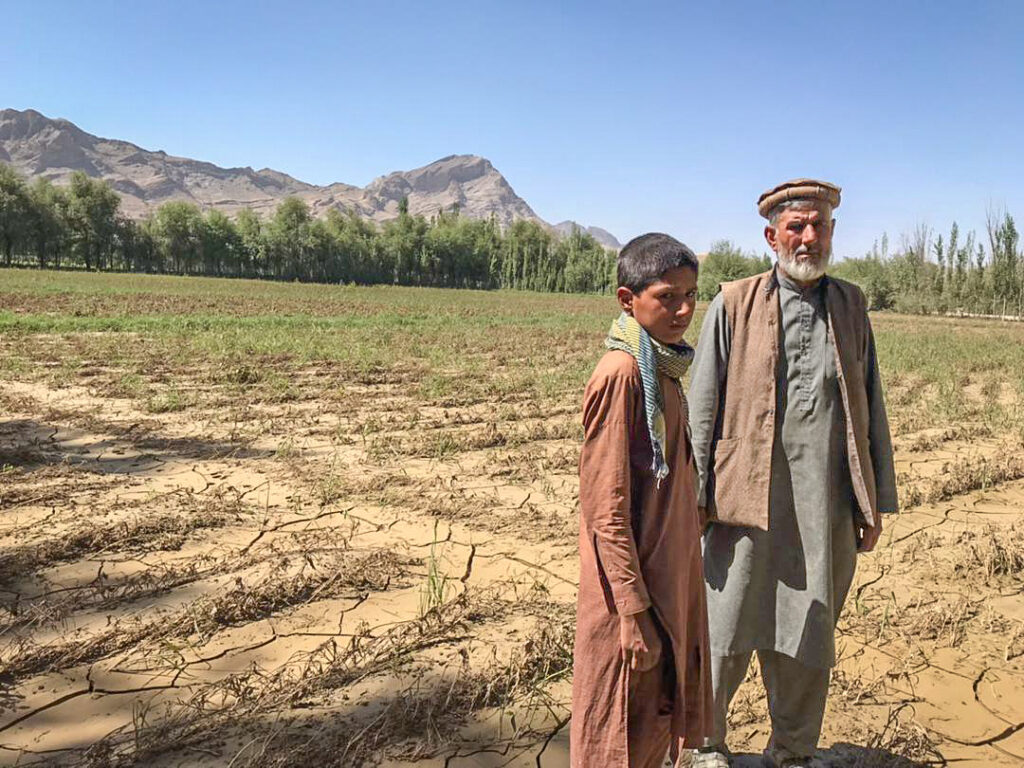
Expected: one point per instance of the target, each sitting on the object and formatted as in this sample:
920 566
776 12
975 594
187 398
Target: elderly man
793 451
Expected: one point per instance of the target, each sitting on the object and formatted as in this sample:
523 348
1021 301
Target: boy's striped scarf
652 356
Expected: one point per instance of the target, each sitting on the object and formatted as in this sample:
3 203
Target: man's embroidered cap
798 189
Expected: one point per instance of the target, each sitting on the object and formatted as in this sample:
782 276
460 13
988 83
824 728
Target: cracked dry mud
322 583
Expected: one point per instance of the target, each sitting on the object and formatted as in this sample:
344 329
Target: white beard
804 270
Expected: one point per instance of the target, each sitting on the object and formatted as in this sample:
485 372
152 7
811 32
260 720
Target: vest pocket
740 483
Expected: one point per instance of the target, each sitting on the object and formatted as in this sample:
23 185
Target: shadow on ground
29 444
841 755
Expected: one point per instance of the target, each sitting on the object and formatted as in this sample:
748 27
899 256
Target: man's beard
805 270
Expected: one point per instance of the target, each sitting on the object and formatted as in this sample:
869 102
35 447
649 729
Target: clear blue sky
634 116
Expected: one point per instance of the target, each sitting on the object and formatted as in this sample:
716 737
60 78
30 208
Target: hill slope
38 146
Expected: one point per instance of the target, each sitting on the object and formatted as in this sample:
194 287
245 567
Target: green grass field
459 347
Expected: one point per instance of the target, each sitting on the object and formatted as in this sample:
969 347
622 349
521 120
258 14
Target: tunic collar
780 278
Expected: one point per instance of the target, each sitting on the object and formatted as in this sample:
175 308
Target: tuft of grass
962 432
944 620
901 743
435 589
129 385
994 553
168 401
962 476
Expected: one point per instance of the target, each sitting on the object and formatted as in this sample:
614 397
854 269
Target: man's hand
868 537
641 645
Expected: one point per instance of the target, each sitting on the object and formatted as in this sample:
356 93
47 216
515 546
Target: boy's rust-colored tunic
639 548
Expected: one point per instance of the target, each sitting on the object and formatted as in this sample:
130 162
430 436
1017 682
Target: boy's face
665 307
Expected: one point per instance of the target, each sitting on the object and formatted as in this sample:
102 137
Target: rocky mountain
603 236
37 145
468 181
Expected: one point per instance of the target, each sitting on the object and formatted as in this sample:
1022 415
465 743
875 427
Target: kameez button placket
805 374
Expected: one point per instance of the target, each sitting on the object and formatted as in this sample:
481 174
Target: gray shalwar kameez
780 591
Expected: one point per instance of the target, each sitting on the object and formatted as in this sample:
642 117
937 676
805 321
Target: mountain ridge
54 148
603 236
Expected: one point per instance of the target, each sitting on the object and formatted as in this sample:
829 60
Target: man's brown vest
743 453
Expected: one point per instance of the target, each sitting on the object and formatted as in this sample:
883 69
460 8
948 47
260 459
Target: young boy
641 674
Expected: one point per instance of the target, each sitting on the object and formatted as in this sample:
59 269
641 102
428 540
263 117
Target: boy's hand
703 521
641 644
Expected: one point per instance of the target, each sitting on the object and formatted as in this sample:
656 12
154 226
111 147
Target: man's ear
625 297
771 235
833 226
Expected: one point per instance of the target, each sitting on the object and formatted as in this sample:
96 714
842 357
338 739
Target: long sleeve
878 433
707 378
611 407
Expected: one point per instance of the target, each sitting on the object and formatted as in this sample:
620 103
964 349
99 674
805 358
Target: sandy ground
219 590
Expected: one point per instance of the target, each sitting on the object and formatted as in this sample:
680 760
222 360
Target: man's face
665 307
802 239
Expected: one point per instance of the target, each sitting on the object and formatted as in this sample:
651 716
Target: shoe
710 758
779 757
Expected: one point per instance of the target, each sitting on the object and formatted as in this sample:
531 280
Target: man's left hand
869 536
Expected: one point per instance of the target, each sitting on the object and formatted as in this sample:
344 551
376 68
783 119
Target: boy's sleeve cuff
634 603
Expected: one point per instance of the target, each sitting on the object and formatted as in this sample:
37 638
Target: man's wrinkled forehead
810 212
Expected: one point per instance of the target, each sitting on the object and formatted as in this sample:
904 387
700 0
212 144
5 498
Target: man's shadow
840 755
845 755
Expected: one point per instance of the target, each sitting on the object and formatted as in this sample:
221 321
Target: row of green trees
81 226
954 273
726 262
946 274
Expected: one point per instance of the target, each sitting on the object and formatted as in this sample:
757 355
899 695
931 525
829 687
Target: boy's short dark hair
646 258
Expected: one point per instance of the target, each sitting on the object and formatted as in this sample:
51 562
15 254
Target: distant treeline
926 273
946 274
81 226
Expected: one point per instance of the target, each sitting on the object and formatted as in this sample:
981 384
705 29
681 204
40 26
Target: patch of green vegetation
168 401
128 385
280 342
